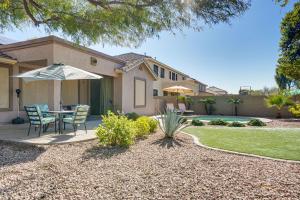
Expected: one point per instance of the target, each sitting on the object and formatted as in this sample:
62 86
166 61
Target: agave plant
171 123
208 104
235 102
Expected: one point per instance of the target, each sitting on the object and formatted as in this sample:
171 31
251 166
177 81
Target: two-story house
166 76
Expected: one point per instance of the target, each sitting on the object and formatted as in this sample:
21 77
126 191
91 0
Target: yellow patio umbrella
178 89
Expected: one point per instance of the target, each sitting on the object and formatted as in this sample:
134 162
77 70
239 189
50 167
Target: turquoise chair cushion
68 120
47 120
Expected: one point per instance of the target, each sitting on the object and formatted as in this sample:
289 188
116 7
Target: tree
236 102
279 101
289 61
285 83
208 104
119 22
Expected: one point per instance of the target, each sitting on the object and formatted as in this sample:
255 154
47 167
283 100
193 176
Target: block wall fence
251 106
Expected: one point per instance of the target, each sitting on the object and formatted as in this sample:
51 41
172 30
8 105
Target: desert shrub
116 130
295 110
197 122
236 124
171 123
256 122
153 124
218 122
132 115
143 126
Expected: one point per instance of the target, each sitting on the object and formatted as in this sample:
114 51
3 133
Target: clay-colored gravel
154 168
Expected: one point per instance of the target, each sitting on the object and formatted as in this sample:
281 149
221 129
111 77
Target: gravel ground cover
284 123
154 168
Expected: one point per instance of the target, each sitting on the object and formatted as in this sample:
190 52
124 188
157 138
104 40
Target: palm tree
235 101
208 104
279 101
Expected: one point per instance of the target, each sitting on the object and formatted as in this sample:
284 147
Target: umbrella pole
177 99
60 102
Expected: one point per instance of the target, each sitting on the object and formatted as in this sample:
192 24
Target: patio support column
54 95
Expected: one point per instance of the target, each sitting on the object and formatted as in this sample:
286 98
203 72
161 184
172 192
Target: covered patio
18 133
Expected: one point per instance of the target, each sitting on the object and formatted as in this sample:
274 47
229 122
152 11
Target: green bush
132 115
153 124
116 130
295 110
256 122
143 126
236 124
197 122
218 122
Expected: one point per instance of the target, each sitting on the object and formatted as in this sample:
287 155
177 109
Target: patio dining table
60 114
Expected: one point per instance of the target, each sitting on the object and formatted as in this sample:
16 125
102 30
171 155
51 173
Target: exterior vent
94 61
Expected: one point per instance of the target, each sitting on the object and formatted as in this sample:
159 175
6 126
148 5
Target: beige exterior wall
162 83
82 60
128 91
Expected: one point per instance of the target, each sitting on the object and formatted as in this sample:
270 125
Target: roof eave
8 61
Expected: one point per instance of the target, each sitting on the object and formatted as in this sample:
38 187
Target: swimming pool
207 118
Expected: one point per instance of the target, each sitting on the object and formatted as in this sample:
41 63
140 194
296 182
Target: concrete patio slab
18 133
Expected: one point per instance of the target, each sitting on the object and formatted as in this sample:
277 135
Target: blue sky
227 56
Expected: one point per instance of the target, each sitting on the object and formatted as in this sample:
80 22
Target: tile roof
132 60
128 57
3 55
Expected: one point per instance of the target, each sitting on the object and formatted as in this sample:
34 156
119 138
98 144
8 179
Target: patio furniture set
41 117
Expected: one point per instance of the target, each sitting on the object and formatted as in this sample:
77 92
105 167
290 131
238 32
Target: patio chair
183 109
170 106
44 110
79 117
36 119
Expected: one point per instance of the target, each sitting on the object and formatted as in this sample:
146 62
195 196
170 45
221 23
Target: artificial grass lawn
275 143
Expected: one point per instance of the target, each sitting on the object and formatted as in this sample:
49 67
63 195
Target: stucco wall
251 106
82 60
128 91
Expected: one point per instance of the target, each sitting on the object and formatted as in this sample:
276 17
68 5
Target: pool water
225 118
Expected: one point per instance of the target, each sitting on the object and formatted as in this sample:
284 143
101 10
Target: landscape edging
198 143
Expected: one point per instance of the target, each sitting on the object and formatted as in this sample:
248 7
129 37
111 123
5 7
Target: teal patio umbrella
58 72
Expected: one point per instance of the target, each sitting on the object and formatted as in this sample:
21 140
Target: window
5 84
139 93
170 75
183 78
173 76
155 69
176 77
155 92
162 73
165 93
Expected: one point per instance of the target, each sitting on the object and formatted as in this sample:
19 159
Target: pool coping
265 120
197 142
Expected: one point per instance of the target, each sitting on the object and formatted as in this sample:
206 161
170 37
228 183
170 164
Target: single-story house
123 87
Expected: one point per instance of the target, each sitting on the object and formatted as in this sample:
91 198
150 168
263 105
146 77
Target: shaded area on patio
18 133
